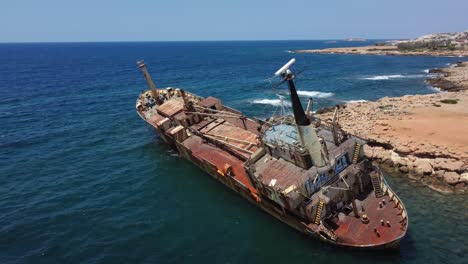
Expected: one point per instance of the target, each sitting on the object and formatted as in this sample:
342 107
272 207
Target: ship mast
154 92
306 131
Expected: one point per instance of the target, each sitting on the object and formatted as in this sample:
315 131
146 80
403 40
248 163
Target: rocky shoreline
422 136
451 79
389 50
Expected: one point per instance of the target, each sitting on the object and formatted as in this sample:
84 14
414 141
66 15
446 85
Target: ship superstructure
304 171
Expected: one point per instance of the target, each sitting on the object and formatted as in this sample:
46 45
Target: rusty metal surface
219 158
155 118
239 140
201 124
171 107
209 102
250 125
180 116
211 125
240 137
283 172
352 231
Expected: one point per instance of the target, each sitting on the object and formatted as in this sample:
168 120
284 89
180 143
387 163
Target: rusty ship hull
235 151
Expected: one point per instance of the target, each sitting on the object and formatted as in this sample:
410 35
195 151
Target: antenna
285 67
282 103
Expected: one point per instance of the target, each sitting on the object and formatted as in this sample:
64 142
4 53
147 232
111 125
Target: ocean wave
383 77
289 51
274 102
315 94
394 76
426 71
435 89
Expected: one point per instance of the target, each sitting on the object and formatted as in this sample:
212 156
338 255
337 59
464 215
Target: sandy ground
423 135
450 130
420 124
385 50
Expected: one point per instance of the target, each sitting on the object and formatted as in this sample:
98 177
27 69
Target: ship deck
351 231
219 158
281 174
242 141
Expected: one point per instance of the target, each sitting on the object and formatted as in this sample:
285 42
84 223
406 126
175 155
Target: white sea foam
356 101
433 75
394 76
314 94
435 89
426 71
274 102
383 77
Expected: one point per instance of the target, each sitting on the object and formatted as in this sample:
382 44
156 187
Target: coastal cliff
422 136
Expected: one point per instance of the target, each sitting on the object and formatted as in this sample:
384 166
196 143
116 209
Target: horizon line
213 40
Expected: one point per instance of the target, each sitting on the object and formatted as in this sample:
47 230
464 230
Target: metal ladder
318 215
375 179
357 150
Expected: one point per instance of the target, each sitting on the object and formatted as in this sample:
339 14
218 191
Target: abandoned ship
306 172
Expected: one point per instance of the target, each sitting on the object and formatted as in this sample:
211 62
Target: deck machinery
304 171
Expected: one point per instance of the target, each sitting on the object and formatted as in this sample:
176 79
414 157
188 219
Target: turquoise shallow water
84 180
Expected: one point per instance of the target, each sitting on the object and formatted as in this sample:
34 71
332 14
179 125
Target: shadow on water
408 247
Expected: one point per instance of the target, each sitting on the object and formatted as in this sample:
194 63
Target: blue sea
84 180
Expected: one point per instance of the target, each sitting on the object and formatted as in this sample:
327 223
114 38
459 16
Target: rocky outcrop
441 174
451 79
422 136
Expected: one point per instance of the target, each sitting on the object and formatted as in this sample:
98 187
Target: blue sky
146 20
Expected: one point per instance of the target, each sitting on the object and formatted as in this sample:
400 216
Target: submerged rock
464 177
439 174
404 169
451 177
441 188
423 167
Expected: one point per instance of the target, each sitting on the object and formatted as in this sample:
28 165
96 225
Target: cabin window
309 186
319 181
340 164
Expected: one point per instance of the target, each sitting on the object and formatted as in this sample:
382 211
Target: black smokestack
299 115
